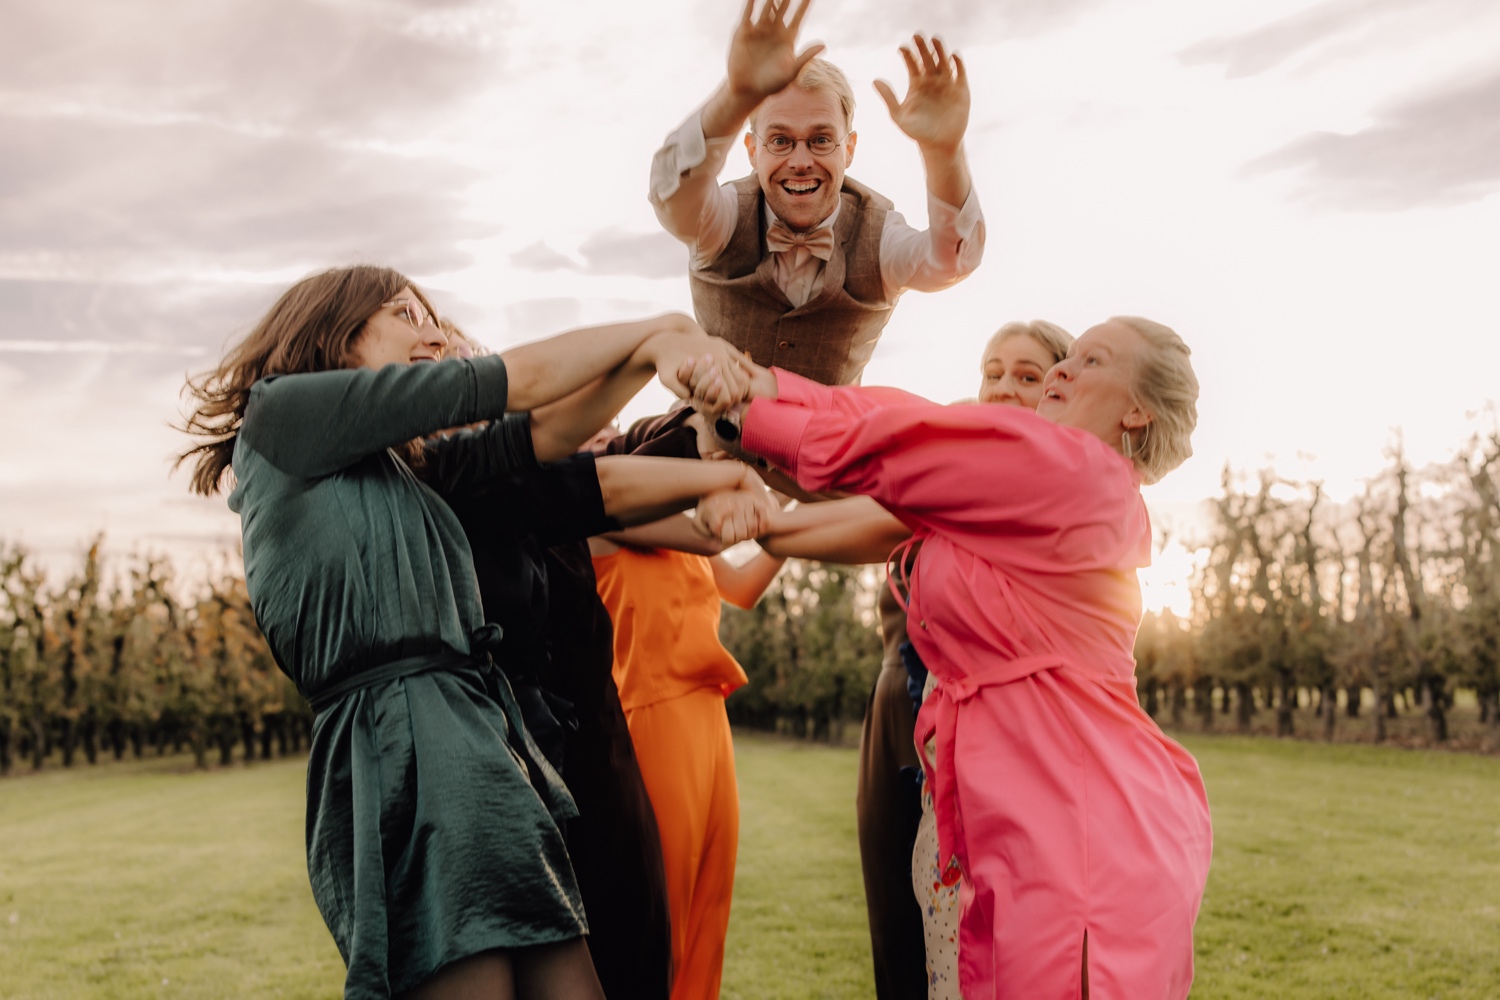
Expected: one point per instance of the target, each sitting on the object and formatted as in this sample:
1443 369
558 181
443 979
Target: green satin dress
432 821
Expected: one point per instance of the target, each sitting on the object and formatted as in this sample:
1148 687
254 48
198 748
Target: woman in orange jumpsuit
673 676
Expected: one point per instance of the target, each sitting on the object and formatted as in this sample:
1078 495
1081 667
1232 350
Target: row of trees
1350 611
810 648
1355 611
119 667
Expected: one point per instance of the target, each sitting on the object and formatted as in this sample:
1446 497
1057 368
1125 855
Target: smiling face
1093 387
801 188
391 338
1012 371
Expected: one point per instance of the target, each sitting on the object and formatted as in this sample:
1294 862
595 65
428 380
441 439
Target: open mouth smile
801 187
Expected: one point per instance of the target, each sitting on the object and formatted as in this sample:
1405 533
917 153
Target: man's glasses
782 145
412 310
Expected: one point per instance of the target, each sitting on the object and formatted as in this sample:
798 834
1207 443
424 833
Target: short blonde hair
452 331
1053 338
822 76
1167 389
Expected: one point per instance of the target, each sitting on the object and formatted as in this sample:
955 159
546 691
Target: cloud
156 327
95 347
336 67
540 257
1340 28
119 195
612 252
533 319
1440 148
617 251
961 23
1266 47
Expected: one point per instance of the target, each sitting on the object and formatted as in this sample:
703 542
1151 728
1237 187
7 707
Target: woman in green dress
432 820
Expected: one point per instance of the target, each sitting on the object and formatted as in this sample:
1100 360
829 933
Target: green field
1339 871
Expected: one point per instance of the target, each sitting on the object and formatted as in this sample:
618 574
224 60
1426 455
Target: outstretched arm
743 585
763 59
935 113
853 530
546 371
560 428
638 489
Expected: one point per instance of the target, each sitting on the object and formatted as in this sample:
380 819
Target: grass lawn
1342 871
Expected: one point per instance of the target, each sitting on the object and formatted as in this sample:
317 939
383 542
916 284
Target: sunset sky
1305 190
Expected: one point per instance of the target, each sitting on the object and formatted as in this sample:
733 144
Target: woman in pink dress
1082 831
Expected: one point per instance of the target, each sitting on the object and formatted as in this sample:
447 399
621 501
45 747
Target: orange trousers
686 755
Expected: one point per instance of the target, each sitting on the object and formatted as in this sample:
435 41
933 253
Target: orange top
665 608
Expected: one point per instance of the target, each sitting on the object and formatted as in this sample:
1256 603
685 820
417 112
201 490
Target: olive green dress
432 821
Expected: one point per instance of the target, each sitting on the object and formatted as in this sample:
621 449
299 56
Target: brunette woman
433 846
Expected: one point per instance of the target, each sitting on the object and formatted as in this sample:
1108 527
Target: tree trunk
1285 724
1151 706
115 733
91 740
1381 697
6 749
247 736
1203 703
69 741
138 741
1352 696
1330 716
38 742
1178 701
1244 705
200 748
1437 715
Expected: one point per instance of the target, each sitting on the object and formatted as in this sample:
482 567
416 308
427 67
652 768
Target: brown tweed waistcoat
828 339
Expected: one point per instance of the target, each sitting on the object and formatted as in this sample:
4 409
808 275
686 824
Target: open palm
763 56
935 111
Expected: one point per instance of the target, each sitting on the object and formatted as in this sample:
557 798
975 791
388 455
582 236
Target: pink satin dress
1070 812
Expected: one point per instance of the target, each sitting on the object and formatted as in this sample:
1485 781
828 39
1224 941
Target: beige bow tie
819 242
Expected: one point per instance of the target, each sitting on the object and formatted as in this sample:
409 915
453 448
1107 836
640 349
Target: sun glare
1167 582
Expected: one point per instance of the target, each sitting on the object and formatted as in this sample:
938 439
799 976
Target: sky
1307 190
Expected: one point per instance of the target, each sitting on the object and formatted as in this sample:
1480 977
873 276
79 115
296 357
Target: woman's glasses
412 310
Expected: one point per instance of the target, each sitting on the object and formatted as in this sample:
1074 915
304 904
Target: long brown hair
312 328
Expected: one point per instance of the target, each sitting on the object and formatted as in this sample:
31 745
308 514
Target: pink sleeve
990 476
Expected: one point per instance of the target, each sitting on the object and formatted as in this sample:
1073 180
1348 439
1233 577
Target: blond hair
1167 389
820 76
1053 338
453 332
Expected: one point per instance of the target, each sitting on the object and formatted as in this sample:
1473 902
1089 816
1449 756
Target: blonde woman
1082 831
897 855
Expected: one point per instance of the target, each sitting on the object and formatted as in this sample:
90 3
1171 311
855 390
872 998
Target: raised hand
763 56
935 111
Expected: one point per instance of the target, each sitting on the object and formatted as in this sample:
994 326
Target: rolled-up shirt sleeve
932 259
688 202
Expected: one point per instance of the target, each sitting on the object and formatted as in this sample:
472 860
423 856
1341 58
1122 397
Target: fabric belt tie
939 718
484 641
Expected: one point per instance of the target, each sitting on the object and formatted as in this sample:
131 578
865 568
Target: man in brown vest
801 266
797 263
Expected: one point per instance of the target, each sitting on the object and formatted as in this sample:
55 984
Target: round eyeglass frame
765 144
